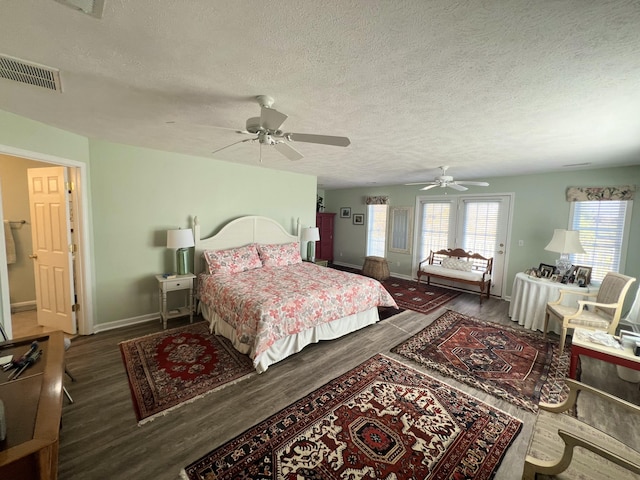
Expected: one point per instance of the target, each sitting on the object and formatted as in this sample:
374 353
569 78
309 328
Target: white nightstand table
179 282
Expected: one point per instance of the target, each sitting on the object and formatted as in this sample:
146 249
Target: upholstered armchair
602 314
564 447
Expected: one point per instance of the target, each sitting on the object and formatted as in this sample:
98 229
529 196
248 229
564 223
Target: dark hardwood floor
100 438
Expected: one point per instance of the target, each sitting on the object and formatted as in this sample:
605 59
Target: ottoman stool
376 267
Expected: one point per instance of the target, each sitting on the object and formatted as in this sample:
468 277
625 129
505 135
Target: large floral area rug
173 367
380 420
516 365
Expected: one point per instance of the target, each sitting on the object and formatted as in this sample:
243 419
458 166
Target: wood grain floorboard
100 438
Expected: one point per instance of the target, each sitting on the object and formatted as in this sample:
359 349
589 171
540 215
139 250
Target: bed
254 289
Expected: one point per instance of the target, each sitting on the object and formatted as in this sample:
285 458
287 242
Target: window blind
376 230
481 226
602 234
434 233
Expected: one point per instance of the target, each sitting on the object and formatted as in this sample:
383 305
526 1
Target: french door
477 223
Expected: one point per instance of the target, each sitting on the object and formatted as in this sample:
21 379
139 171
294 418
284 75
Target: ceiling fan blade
455 186
429 187
271 119
321 139
288 151
234 143
478 184
422 183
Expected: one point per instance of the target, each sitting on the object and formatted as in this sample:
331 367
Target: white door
477 223
51 245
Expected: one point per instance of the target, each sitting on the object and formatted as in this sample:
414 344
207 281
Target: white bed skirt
293 343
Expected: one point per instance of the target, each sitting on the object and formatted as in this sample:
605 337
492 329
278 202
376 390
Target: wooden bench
458 266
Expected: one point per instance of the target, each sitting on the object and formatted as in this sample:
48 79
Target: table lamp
181 240
311 235
565 242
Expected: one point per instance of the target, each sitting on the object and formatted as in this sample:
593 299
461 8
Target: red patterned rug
380 420
518 366
422 298
170 368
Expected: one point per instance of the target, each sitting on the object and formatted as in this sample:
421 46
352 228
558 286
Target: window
481 226
434 233
376 230
603 227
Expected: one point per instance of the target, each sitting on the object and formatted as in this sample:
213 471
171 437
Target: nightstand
179 282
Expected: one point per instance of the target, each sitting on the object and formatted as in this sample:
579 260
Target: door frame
457 198
79 174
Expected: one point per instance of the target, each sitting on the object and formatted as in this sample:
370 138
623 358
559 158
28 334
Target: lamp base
182 261
563 264
311 257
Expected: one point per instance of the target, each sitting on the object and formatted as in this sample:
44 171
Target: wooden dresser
33 408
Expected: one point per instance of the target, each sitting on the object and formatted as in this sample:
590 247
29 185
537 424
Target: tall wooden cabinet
324 247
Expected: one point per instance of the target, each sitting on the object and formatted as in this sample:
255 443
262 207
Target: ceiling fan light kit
445 180
267 131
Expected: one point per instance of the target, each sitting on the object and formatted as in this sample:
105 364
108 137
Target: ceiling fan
445 180
266 131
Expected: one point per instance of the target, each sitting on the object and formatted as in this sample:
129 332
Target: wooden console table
33 408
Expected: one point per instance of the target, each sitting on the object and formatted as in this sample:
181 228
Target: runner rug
380 420
176 366
419 298
516 365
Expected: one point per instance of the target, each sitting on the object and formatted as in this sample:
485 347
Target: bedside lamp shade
181 240
311 235
565 242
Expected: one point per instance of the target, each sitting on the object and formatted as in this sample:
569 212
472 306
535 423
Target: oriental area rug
421 298
171 368
516 365
381 419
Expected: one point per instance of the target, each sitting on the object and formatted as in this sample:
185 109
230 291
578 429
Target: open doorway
18 289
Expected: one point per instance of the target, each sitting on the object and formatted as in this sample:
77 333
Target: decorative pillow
233 260
457 264
280 255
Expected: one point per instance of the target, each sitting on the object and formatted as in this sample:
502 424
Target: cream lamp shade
311 235
565 242
181 240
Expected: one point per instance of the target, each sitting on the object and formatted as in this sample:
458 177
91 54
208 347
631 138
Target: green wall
539 207
136 194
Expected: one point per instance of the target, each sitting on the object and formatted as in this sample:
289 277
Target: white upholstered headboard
239 232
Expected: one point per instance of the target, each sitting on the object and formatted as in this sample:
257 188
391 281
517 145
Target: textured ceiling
491 88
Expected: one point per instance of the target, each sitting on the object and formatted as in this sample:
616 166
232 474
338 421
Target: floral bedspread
269 303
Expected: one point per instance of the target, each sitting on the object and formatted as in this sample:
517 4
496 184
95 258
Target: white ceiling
489 87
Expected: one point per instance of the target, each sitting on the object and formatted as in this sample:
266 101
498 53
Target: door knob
34 256
500 252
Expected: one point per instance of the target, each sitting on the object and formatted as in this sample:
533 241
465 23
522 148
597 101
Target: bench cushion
457 264
451 273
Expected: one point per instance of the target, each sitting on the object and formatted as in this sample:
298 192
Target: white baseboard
126 322
23 306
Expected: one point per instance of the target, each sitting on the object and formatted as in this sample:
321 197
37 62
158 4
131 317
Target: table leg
164 309
191 305
573 365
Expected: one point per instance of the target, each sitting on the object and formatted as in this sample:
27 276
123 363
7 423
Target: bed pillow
280 255
233 260
457 264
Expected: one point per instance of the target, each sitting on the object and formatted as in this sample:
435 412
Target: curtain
584 194
379 200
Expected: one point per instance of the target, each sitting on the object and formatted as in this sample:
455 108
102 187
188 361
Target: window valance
379 200
583 194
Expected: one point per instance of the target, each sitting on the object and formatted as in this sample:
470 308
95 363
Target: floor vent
29 73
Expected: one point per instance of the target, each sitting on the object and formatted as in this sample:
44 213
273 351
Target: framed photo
583 276
554 277
358 218
345 212
546 270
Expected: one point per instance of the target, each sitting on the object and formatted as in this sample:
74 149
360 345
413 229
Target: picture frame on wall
345 212
358 218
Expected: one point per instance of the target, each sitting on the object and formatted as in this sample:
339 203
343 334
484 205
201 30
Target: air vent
29 73
90 7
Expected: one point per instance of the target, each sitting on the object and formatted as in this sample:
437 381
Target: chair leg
73 379
546 325
66 393
563 337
